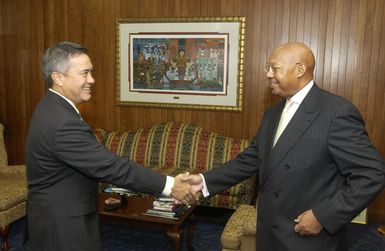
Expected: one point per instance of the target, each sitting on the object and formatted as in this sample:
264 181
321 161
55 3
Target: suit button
276 195
275 226
287 166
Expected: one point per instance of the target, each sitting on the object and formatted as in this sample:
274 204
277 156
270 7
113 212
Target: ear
57 78
301 70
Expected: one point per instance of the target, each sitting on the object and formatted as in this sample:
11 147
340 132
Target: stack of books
166 208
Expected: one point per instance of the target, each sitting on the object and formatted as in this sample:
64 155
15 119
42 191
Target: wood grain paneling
347 36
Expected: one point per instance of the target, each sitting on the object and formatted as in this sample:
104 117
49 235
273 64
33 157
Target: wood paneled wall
347 36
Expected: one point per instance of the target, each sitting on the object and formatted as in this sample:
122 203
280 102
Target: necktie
286 115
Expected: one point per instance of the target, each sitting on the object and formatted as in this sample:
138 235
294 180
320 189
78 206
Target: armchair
13 192
239 233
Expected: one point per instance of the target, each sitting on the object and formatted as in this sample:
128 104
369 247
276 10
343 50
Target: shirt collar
69 101
299 96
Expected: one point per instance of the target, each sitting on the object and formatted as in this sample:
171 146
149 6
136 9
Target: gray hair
57 58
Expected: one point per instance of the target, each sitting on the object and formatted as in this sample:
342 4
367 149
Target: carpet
117 237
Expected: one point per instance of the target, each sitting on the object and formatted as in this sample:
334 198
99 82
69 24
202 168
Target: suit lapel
301 120
53 97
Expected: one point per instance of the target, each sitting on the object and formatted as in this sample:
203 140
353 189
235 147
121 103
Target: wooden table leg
4 233
176 235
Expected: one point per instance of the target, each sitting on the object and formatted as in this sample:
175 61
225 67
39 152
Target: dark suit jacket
323 161
64 165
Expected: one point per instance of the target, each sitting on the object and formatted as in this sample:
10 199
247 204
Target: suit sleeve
77 147
232 172
357 160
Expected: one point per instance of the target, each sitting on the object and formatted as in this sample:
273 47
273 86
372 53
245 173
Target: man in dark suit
65 162
314 177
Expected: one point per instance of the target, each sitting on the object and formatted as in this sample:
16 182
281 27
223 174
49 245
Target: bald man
317 168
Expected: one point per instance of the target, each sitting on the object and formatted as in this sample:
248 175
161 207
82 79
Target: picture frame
192 63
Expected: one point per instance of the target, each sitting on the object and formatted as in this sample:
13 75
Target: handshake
186 188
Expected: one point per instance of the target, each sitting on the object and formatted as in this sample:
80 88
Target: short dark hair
57 59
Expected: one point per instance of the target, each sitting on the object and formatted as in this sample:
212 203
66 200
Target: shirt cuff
168 186
205 191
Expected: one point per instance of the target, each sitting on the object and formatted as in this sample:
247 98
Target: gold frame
230 101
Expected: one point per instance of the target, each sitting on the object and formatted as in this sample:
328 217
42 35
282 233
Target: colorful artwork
164 63
193 63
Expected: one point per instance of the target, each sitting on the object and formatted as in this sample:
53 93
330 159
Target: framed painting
192 63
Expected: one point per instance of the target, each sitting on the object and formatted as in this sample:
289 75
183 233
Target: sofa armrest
233 234
250 228
249 235
15 171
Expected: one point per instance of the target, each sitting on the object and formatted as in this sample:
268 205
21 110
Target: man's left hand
307 224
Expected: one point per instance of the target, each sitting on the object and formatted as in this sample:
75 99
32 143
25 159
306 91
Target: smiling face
282 75
75 84
289 69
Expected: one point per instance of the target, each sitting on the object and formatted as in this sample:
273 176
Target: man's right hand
182 190
195 181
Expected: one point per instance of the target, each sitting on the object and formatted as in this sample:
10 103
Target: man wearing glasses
317 168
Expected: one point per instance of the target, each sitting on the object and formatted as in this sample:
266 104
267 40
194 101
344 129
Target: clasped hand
186 188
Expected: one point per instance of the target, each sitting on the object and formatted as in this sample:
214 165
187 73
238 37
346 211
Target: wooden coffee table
132 214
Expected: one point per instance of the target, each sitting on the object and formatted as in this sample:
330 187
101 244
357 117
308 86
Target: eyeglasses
271 68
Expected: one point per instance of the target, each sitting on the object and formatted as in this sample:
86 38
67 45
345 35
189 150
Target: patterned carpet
206 238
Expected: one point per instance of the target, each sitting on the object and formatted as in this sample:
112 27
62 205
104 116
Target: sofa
177 147
13 192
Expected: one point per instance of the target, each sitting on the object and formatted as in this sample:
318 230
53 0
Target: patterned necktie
286 115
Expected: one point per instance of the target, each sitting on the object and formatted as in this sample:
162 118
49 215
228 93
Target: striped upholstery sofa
176 147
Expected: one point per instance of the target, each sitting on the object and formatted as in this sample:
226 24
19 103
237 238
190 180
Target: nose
269 74
90 79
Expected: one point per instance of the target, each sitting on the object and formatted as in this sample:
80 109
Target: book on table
119 190
166 208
